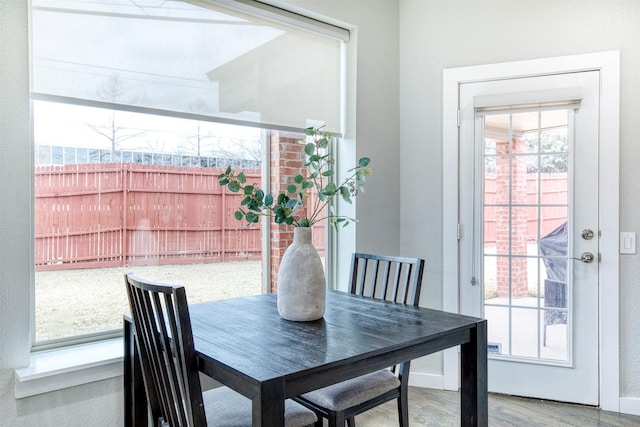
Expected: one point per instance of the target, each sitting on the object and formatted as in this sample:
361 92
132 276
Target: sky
78 126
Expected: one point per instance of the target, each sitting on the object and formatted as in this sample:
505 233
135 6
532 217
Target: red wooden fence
102 215
553 191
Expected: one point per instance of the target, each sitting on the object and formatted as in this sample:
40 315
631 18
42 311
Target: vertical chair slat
407 282
396 280
172 353
374 280
385 279
163 348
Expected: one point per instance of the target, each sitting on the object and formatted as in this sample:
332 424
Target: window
137 106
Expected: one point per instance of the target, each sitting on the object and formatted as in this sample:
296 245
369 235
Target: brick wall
511 222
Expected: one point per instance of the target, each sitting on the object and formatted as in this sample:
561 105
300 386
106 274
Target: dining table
244 344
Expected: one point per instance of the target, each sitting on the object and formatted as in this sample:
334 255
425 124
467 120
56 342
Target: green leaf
314 158
323 143
248 190
304 223
228 171
242 178
291 188
288 220
346 194
306 185
310 149
251 217
310 131
364 162
246 201
224 181
268 200
238 215
313 175
298 179
259 195
234 186
282 198
327 173
330 188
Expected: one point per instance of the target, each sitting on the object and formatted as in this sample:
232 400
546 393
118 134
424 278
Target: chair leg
351 422
337 420
403 410
319 422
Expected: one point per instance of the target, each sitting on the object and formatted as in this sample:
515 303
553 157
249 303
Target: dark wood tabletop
244 344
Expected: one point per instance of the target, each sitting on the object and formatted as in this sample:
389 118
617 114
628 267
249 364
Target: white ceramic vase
302 288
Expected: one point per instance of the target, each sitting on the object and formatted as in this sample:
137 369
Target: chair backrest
397 279
167 354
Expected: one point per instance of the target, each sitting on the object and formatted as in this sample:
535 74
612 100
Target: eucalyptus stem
294 210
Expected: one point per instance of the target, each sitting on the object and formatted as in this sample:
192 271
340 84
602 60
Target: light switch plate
628 243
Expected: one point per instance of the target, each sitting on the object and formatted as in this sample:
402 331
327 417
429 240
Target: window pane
97 221
525 215
118 190
177 56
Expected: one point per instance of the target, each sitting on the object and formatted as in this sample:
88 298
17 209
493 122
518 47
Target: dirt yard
75 302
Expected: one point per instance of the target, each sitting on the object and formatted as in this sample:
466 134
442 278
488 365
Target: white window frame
86 362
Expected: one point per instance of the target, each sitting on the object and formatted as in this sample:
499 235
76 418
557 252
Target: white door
528 217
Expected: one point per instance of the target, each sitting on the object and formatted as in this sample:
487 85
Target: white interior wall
376 113
439 34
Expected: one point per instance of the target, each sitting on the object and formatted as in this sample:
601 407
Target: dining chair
389 278
170 368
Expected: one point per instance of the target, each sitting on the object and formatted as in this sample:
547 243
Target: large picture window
137 107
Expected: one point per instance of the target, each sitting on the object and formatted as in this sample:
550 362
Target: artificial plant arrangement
290 207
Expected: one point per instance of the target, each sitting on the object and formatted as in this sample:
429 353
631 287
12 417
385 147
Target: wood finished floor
435 408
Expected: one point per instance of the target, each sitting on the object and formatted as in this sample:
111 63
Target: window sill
57 369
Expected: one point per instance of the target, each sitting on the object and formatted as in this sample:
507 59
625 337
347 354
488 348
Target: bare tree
238 148
204 142
114 127
194 144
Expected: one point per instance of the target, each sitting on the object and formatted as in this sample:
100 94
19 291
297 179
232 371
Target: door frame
608 63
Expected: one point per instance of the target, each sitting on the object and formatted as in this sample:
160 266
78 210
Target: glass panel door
526 204
528 189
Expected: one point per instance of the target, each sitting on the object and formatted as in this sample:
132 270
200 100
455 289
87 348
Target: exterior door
529 230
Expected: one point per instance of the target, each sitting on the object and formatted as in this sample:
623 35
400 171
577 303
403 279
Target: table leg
474 400
268 404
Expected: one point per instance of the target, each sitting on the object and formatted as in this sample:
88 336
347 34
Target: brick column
287 161
511 228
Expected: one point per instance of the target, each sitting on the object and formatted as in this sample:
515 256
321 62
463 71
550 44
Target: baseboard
628 405
417 379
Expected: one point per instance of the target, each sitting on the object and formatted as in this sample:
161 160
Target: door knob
587 234
585 257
